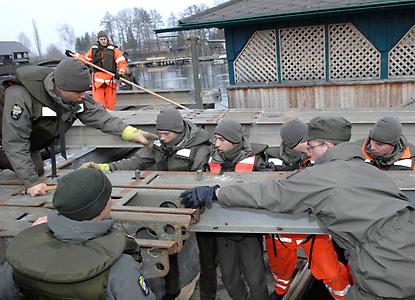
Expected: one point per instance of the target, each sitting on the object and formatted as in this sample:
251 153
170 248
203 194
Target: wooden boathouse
309 54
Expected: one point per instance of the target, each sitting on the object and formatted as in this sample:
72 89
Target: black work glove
69 53
199 196
266 166
117 75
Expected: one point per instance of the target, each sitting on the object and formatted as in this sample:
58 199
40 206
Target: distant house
12 55
315 53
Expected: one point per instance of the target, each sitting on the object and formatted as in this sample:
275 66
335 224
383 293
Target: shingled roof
245 11
7 48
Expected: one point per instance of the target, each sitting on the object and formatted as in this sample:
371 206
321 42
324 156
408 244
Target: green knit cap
72 76
230 130
293 132
102 34
329 128
388 130
170 119
82 194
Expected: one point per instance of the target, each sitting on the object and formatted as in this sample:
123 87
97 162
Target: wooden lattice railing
402 56
257 62
302 53
352 56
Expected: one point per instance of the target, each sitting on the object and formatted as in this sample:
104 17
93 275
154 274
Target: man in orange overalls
282 249
109 57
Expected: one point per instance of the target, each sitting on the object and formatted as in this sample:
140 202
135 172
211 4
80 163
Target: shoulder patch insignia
16 112
157 143
143 285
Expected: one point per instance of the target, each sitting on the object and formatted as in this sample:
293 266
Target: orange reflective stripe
364 151
245 165
406 153
214 167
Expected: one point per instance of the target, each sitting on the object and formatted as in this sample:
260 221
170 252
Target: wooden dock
138 98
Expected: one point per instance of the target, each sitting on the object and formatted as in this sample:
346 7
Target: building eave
287 16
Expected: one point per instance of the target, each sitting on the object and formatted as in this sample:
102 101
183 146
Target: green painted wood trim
384 65
327 50
230 55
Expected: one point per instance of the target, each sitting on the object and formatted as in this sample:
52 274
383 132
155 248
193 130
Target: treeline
132 30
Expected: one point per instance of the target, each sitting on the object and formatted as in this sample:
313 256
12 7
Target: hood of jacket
67 230
344 151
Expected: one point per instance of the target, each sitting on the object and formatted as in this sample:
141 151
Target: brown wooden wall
322 95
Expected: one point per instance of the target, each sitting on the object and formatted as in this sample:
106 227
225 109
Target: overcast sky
83 16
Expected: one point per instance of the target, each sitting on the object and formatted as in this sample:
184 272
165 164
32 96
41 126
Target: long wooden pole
130 83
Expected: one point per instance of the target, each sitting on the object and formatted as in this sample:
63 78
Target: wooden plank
322 96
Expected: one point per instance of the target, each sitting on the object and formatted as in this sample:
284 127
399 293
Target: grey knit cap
102 34
170 119
387 130
329 128
293 132
82 194
72 76
230 130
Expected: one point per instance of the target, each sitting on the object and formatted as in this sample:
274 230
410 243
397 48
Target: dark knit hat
72 76
329 128
82 194
387 130
293 132
230 130
170 119
102 34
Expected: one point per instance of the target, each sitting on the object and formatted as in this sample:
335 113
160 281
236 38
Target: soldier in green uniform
76 254
387 148
182 146
40 106
292 154
360 206
240 256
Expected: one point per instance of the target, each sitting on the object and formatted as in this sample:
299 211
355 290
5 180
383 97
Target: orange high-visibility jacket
245 165
100 78
405 162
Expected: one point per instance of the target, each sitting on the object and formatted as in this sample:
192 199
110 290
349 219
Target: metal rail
147 206
261 126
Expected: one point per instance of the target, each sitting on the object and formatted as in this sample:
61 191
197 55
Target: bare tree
66 35
83 43
156 22
172 20
53 52
108 23
25 41
37 38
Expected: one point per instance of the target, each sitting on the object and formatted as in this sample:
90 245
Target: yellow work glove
101 167
131 134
